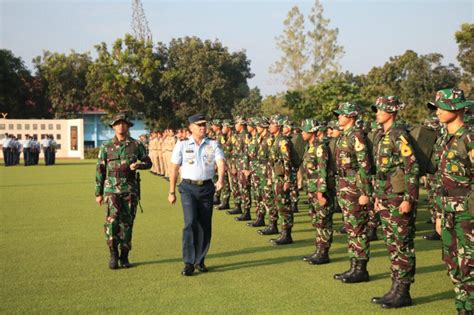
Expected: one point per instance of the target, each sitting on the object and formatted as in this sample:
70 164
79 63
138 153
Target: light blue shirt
7 142
27 144
197 161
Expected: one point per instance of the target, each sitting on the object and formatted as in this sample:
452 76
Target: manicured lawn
54 258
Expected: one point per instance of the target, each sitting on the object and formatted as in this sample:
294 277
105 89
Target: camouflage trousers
432 204
234 181
224 193
458 252
373 221
281 203
398 234
321 219
259 191
119 217
294 192
355 221
244 186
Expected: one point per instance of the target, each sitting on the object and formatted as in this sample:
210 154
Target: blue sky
370 31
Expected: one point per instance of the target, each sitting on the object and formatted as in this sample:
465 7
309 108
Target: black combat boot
307 258
387 296
217 200
359 274
236 210
244 216
259 221
400 298
270 229
284 239
342 230
114 256
372 234
124 257
432 237
339 276
321 257
224 205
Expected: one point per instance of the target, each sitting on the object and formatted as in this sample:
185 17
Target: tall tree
126 78
204 76
324 52
465 41
251 106
292 44
65 76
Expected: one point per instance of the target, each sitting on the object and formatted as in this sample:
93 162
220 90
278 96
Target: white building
68 133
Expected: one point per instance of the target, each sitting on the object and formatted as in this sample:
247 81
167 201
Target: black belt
455 192
197 182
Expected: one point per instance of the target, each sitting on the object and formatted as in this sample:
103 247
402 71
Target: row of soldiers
30 147
368 175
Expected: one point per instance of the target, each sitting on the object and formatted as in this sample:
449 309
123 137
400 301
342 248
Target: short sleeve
219 151
177 155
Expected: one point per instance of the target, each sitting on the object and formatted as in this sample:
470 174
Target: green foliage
275 104
91 153
203 76
21 94
65 76
465 41
251 106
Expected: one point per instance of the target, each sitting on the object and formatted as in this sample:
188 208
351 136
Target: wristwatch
172 193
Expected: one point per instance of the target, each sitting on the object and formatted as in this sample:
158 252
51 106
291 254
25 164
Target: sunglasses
202 124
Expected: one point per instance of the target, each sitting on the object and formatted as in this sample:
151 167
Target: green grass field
54 258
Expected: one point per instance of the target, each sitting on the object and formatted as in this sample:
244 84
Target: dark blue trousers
6 156
197 204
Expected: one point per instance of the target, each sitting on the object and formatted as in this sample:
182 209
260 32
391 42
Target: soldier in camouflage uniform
454 159
353 191
242 170
297 150
315 165
263 192
116 179
279 177
225 141
396 193
216 134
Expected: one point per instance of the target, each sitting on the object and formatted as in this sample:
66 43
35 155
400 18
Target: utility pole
139 23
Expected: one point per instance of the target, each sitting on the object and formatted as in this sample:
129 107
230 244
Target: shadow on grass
47 184
445 295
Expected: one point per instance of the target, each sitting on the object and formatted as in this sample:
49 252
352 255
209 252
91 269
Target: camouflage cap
432 122
333 125
347 109
263 122
227 123
240 120
309 125
322 126
120 117
216 122
252 121
288 124
278 119
451 100
388 104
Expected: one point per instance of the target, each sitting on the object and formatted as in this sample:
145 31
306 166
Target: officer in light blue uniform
6 149
27 143
46 152
197 157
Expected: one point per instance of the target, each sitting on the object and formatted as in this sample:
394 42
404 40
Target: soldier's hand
423 181
286 186
246 173
172 198
376 205
321 200
438 226
99 200
134 166
405 207
363 200
219 185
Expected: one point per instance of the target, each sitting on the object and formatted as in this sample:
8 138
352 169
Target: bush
91 153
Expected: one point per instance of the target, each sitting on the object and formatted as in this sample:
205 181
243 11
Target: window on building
58 146
58 136
58 126
27 126
43 127
74 138
18 126
2 126
35 127
2 136
50 126
43 137
18 136
35 136
10 126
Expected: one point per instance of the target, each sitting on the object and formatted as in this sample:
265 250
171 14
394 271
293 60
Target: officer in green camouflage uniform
396 193
215 133
116 180
454 160
353 191
263 192
252 153
242 168
430 182
297 149
232 142
279 177
225 142
315 165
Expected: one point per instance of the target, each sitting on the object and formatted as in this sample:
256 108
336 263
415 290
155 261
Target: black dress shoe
201 267
432 237
188 270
